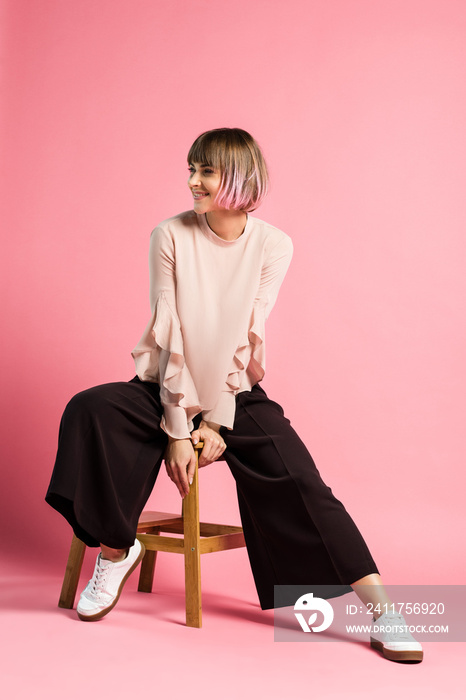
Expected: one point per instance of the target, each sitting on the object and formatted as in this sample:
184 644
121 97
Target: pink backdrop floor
144 649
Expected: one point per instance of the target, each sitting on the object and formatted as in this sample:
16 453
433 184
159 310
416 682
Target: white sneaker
390 635
103 590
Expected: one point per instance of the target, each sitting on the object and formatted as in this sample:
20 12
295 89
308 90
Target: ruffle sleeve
159 357
247 368
250 354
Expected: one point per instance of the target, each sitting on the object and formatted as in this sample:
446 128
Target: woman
215 273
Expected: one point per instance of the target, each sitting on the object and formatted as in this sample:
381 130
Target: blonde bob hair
244 176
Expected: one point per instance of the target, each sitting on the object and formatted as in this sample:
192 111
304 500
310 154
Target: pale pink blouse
210 299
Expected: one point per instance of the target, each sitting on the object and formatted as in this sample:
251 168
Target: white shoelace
96 586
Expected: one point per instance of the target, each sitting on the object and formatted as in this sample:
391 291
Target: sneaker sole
105 611
392 655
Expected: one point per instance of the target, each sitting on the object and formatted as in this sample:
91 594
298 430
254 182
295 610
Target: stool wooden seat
195 538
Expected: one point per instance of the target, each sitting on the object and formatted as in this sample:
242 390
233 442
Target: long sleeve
159 356
209 299
249 357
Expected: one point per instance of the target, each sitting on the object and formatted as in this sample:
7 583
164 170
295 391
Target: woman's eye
205 171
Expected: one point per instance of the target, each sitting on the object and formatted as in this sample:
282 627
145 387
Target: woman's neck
228 224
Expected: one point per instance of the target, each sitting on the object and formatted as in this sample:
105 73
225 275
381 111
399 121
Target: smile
200 195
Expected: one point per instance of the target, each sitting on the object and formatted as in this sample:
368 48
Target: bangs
208 150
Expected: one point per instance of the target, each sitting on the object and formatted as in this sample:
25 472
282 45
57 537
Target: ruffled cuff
250 353
224 411
159 357
247 368
174 422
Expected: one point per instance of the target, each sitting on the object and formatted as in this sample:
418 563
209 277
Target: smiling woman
204 181
236 157
220 269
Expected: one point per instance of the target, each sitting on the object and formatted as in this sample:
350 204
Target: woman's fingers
195 437
180 462
191 470
214 447
214 444
176 475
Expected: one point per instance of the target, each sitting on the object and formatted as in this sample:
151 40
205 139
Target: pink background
360 108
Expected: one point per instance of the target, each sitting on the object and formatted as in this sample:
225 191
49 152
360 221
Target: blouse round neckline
212 236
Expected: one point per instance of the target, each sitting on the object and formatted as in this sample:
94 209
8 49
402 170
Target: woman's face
204 183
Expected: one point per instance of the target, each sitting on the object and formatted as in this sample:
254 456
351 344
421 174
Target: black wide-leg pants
110 451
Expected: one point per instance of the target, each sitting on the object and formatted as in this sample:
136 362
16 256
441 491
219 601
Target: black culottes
110 451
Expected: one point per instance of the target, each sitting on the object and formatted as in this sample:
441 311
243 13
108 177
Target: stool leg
72 573
146 574
192 553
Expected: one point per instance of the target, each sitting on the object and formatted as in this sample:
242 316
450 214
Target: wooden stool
198 538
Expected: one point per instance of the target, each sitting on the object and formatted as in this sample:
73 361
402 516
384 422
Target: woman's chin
201 207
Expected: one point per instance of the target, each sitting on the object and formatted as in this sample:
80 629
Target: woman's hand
180 462
214 445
